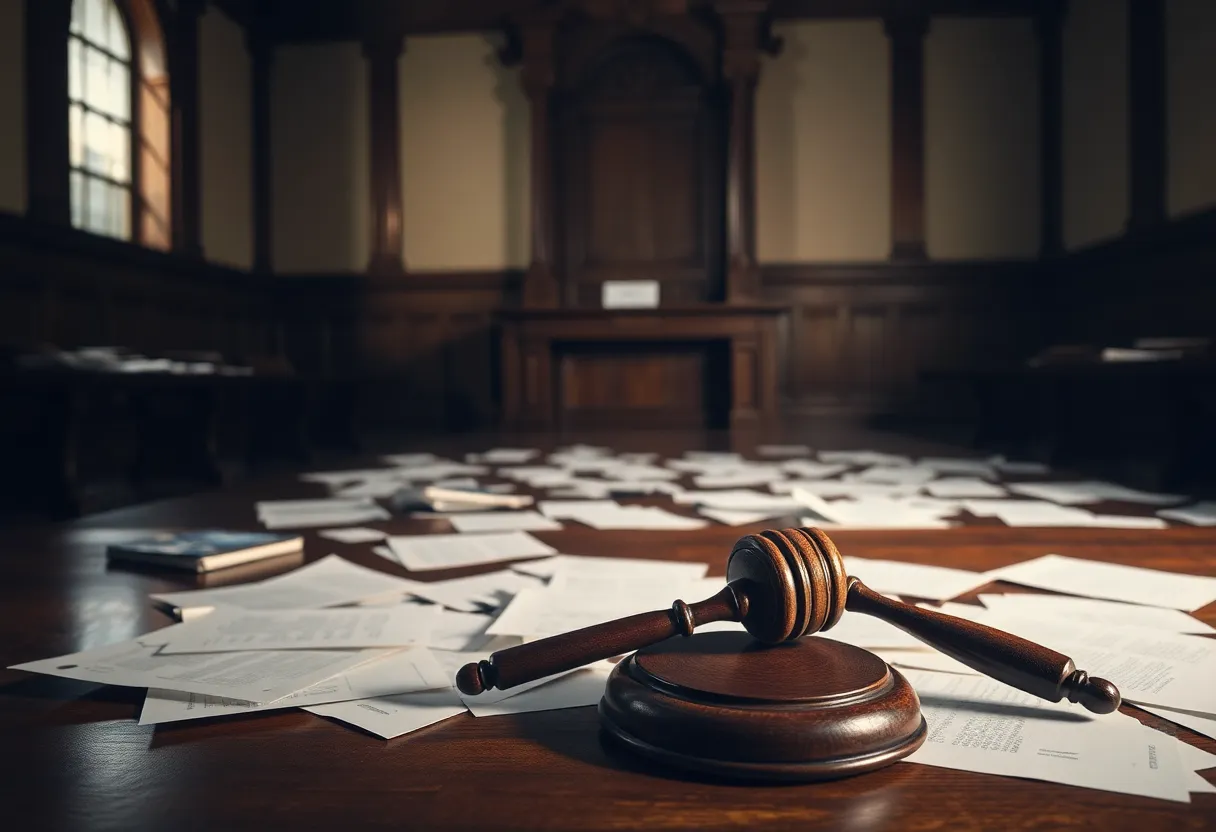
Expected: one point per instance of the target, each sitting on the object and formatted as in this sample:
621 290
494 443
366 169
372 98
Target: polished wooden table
72 756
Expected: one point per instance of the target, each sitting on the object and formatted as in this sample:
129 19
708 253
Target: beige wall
981 139
1095 121
226 141
823 155
12 106
320 146
464 156
1191 97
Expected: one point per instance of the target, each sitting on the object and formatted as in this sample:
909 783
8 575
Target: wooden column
261 51
184 91
382 52
1049 24
540 287
742 30
907 36
46 110
1147 113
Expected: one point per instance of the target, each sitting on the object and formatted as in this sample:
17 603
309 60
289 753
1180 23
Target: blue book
204 551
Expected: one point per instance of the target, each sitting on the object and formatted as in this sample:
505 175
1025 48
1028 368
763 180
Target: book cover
202 551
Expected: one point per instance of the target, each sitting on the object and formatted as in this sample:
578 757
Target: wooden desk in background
707 365
74 759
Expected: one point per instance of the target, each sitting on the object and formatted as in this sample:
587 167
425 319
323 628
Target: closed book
204 551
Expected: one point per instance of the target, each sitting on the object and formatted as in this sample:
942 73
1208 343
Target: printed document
1093 579
447 551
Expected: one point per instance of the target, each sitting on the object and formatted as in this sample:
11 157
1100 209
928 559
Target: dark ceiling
318 20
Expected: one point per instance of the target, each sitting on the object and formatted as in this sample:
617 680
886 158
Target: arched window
118 121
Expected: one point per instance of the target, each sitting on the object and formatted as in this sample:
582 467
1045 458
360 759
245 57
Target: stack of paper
336 511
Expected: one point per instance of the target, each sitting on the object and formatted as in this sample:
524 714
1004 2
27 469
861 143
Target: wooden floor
72 757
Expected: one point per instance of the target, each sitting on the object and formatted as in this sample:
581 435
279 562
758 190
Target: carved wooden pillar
382 52
186 186
743 30
261 51
907 35
1147 113
540 283
1049 24
46 119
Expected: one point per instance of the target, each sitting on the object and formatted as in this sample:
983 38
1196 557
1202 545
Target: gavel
783 585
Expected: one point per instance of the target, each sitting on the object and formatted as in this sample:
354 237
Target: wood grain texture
75 759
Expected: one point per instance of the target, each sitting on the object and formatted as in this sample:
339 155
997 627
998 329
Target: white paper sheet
629 471
316 519
937 583
1091 610
606 515
255 676
977 724
589 565
329 582
740 500
503 456
727 517
545 612
742 478
1148 666
1199 723
810 469
380 488
358 534
960 466
854 490
574 690
480 522
334 479
1091 491
1115 582
460 632
895 475
447 551
412 459
871 633
958 487
231 629
471 594
318 505
1021 468
1198 514
394 716
404 672
874 512
864 457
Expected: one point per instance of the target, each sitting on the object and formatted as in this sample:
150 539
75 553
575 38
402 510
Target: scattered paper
357 534
574 690
742 478
329 582
404 672
447 551
1199 514
255 676
231 629
809 469
459 632
1014 512
960 466
959 487
864 458
895 475
488 590
1116 582
503 521
978 724
936 583
1090 491
728 517
1199 723
1090 610
394 716
782 450
503 456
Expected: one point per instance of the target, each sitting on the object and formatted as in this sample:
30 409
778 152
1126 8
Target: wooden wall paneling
1049 25
742 38
186 181
907 40
536 43
1147 113
382 50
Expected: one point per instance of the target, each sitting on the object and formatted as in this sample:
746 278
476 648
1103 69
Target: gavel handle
1015 661
538 659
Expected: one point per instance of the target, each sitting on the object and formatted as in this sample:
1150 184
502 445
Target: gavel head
795 583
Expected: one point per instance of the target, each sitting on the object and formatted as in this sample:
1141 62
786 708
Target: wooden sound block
723 703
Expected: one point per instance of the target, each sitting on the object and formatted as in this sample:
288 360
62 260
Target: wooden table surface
72 756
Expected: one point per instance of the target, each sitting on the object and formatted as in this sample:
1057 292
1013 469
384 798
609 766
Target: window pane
119 98
117 39
75 69
76 136
77 199
94 22
120 159
77 17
